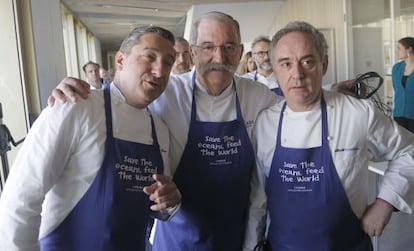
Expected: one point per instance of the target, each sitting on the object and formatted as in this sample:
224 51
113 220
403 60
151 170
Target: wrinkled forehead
156 43
294 43
210 30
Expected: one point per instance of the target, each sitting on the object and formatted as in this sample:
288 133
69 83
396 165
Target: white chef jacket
174 107
269 81
59 160
358 132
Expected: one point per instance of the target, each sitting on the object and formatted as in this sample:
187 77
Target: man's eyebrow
148 48
151 48
308 56
212 43
283 59
304 57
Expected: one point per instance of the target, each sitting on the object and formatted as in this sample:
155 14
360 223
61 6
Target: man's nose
180 57
157 68
219 55
297 71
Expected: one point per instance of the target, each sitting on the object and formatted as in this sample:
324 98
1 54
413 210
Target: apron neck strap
193 103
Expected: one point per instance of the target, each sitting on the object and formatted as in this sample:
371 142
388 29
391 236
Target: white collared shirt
59 159
174 107
358 132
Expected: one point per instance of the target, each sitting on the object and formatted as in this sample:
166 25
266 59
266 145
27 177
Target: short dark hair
304 27
135 35
88 63
407 42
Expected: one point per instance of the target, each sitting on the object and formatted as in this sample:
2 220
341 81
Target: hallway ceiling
111 21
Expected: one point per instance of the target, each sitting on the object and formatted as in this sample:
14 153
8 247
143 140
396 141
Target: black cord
366 86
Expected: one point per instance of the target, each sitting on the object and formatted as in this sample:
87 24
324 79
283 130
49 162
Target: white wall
48 43
323 14
49 61
12 91
98 51
255 18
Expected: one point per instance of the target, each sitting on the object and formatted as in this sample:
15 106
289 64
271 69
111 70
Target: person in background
264 72
103 74
312 154
97 169
182 62
111 74
403 84
93 78
246 64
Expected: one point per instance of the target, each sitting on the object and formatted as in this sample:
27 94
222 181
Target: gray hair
135 35
214 15
260 39
299 26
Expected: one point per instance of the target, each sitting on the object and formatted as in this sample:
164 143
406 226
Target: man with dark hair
93 77
97 169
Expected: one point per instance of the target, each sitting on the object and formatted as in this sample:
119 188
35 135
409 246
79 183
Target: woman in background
403 84
247 64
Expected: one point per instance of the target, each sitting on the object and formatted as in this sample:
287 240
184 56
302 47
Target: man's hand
376 217
67 89
163 192
344 87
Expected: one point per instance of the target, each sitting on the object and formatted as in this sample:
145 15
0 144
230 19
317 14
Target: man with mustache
210 113
95 169
264 72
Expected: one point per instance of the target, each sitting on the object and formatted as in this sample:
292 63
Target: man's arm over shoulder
67 90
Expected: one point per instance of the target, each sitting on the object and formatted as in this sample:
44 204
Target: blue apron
276 90
308 207
214 179
113 213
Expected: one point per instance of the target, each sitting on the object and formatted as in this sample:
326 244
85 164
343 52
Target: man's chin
297 92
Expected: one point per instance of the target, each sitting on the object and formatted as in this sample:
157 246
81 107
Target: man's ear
119 60
192 53
242 50
324 65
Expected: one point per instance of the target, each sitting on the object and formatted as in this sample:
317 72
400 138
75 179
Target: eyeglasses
210 49
261 54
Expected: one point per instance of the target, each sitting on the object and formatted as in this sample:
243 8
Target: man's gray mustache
218 67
